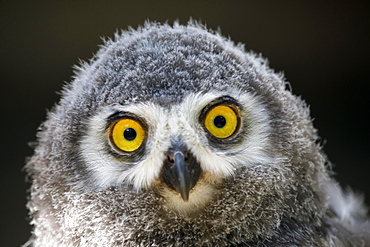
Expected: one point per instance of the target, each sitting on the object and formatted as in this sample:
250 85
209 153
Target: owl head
174 134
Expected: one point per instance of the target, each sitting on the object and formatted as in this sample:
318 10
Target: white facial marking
107 170
182 121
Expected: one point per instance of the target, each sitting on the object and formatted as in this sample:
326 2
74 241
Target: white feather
346 205
177 120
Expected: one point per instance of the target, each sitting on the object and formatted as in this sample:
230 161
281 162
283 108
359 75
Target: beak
180 171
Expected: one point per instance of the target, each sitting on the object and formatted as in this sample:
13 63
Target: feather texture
266 185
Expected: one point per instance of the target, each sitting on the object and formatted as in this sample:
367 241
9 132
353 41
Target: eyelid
223 100
122 114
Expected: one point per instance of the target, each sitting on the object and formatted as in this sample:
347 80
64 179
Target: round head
171 132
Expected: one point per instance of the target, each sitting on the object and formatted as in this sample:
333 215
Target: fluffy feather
268 186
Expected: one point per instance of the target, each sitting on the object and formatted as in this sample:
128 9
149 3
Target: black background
322 47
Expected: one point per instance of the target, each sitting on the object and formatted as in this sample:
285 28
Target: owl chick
175 136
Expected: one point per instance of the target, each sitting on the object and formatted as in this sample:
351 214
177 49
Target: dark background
323 48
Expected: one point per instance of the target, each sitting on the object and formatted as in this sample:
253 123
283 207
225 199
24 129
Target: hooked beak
181 170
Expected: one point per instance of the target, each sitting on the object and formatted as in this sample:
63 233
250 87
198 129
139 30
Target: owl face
181 151
178 112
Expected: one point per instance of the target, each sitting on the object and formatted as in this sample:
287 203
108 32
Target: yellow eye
221 121
127 134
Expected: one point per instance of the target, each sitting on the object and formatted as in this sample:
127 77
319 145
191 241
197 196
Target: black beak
181 171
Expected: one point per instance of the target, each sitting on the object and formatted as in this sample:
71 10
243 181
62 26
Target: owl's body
174 136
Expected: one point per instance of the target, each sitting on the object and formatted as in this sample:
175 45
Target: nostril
186 157
170 159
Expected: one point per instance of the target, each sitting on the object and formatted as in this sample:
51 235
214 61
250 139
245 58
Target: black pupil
219 122
129 134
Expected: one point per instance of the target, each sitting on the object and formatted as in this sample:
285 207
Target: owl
173 135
